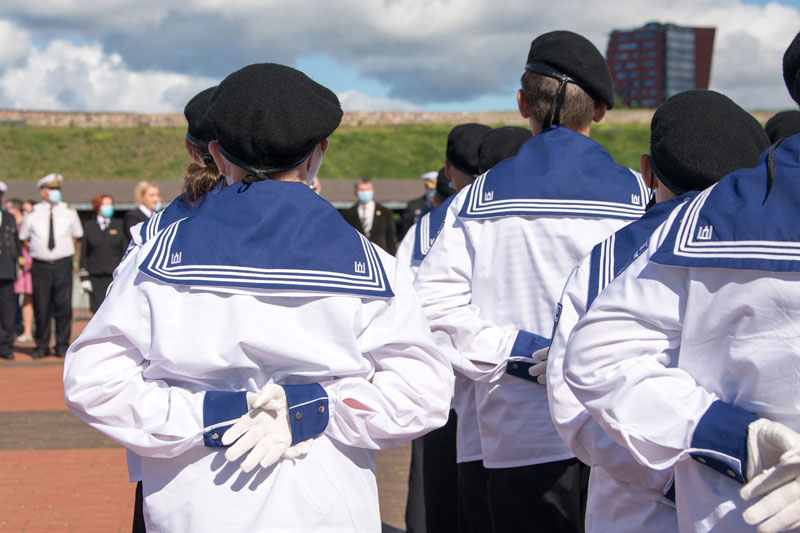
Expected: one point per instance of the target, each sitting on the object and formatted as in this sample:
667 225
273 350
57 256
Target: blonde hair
141 188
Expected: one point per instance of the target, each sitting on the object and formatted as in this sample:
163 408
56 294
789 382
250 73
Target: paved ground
57 474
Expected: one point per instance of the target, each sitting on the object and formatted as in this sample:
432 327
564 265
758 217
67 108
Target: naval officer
51 232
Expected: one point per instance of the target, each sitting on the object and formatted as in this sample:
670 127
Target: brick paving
58 474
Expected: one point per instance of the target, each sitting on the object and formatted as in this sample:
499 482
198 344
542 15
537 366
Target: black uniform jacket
384 231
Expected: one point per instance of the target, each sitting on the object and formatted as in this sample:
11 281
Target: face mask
107 211
54 196
429 195
365 196
158 206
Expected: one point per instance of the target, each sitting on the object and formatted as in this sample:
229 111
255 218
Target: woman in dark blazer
104 243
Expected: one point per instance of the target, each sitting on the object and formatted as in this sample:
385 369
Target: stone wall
352 118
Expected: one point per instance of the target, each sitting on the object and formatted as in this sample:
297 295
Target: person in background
783 124
102 248
147 198
51 233
23 287
371 219
10 256
419 206
27 207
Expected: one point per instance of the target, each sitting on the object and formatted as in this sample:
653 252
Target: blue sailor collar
610 257
267 235
730 225
176 210
558 173
428 228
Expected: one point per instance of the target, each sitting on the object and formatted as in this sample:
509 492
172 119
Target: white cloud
423 51
64 76
14 43
353 100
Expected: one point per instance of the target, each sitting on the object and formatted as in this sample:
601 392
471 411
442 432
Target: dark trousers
52 298
441 478
99 288
473 500
415 502
8 310
138 510
547 498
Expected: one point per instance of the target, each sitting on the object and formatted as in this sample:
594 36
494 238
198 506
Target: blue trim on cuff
723 429
308 410
526 343
219 407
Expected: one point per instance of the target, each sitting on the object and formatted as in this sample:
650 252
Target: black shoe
38 353
61 352
9 356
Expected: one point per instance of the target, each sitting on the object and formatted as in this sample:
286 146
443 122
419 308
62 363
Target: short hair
363 181
97 201
539 92
141 188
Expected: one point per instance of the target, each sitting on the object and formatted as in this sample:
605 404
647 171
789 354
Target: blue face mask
158 206
365 196
54 196
107 211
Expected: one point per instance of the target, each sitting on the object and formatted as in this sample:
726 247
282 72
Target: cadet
688 358
492 279
696 137
268 323
51 232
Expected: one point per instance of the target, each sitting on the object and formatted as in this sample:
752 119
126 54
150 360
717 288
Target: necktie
51 240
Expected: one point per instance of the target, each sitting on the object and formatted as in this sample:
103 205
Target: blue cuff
220 407
308 410
526 343
723 432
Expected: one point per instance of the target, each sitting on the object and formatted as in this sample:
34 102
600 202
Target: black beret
268 117
200 132
783 124
444 188
791 68
462 147
699 136
567 53
501 143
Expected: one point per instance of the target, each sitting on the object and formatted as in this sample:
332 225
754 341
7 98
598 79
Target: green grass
401 151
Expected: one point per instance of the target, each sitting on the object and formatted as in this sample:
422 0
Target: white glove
778 488
539 371
266 430
767 442
86 285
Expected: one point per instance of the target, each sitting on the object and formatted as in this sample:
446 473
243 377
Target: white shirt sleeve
25 228
104 385
620 362
409 393
76 226
580 432
478 348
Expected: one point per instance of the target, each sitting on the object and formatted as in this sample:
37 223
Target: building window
628 46
648 44
649 63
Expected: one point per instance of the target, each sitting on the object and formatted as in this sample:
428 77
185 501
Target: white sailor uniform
623 495
491 281
266 283
699 333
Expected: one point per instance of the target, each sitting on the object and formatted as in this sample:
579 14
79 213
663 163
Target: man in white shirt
51 232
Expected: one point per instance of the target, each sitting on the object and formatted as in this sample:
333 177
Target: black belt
55 261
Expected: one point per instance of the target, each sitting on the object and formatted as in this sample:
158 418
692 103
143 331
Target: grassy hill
390 151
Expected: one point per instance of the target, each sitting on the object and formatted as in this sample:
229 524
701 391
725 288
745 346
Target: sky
152 56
